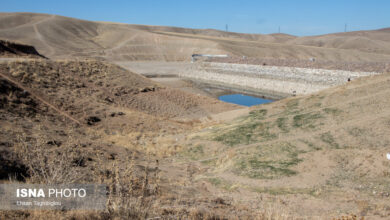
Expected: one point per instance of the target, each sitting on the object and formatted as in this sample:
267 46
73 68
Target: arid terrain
62 37
119 104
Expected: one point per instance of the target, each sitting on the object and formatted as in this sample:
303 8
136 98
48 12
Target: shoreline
232 89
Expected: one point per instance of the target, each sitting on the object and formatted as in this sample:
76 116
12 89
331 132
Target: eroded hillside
103 95
88 121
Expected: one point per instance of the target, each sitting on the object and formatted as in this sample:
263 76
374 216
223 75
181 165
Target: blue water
245 100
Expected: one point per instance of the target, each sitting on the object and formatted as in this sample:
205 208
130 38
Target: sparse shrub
328 138
282 124
269 162
258 114
247 133
306 120
50 165
132 196
131 192
333 111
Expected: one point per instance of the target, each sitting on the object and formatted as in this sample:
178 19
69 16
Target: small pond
245 100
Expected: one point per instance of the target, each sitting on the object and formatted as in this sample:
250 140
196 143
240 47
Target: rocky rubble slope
271 79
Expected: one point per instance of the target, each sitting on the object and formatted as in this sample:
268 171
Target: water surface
244 100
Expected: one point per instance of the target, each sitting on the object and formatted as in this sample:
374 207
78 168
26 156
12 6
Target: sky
296 17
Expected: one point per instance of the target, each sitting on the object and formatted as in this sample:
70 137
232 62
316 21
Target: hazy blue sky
297 17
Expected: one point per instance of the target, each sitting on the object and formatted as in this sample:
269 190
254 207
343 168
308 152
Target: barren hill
275 38
376 41
57 36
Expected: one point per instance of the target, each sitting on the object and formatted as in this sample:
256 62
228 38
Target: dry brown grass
134 191
51 166
131 192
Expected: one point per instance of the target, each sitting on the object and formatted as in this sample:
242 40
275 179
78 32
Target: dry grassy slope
377 41
27 122
275 38
327 150
82 121
93 103
117 103
57 36
91 88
